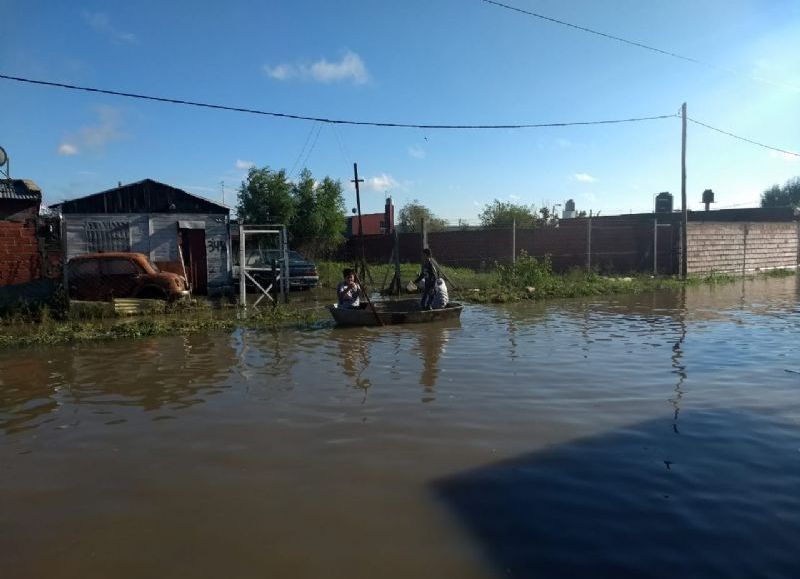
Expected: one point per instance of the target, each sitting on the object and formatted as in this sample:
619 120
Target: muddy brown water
637 436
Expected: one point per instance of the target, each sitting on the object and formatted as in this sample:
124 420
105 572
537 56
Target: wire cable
603 34
303 150
326 120
743 138
732 71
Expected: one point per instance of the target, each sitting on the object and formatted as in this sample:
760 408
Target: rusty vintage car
105 276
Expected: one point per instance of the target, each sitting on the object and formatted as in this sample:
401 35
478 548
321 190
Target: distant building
373 223
163 222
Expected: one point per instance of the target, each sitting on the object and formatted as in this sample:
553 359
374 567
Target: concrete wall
740 248
156 235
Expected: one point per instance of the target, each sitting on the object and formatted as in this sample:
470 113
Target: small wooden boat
393 312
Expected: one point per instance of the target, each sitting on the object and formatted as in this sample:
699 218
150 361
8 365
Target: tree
312 212
307 220
331 211
786 196
413 213
499 214
266 197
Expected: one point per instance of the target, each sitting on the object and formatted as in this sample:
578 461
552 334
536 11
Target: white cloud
584 178
96 136
416 152
244 165
514 197
100 23
381 183
67 149
349 68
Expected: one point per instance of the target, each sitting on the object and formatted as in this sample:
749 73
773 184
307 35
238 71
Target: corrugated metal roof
145 196
20 189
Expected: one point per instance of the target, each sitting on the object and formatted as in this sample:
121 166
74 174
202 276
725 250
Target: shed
161 221
20 260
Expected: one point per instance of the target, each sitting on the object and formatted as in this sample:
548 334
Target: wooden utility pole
356 180
685 220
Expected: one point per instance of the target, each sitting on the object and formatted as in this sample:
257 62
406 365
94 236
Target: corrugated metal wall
156 235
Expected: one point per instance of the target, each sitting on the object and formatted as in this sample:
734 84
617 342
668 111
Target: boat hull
391 313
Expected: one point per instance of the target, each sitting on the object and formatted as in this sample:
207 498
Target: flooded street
654 435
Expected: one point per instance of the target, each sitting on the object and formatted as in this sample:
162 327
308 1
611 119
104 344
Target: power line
743 138
603 34
303 150
326 120
643 46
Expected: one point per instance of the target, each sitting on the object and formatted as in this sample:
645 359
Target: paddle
366 296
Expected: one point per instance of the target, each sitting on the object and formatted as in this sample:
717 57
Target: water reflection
354 347
432 342
158 374
678 368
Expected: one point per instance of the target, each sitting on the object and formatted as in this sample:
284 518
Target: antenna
4 161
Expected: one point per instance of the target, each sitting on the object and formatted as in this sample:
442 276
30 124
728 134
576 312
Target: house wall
156 235
741 247
20 261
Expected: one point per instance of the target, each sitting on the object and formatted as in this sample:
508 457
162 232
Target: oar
366 296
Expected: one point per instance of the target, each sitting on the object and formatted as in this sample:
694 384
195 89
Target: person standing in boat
348 291
428 276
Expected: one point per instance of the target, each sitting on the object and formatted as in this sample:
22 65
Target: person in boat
348 291
428 276
440 296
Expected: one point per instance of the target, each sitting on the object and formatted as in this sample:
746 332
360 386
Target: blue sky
416 62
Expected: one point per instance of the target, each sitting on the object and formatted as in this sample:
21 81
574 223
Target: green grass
533 279
528 279
178 321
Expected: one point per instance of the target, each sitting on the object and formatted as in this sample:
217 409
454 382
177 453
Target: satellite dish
3 157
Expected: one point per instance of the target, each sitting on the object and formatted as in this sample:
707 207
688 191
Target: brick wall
617 246
20 260
741 247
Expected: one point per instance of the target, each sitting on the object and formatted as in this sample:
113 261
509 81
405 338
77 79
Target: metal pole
65 257
285 265
242 277
397 260
589 243
684 232
655 246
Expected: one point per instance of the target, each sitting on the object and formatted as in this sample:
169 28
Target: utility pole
222 184
685 220
356 180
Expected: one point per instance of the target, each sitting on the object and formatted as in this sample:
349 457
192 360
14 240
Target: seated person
349 291
440 297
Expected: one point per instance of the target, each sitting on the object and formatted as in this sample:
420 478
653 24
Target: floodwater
635 436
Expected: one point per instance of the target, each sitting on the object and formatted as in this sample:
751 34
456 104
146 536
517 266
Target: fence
607 245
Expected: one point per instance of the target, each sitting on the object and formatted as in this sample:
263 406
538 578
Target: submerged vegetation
529 278
99 322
